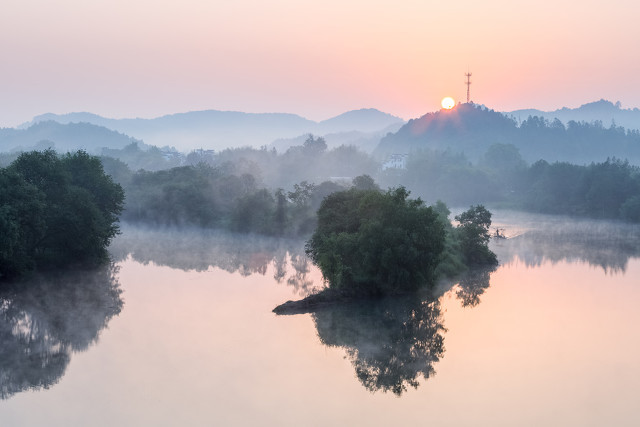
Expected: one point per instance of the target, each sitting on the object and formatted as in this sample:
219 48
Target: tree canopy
369 242
56 211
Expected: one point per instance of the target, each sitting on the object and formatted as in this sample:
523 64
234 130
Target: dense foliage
56 211
311 161
610 189
223 197
599 190
488 170
369 242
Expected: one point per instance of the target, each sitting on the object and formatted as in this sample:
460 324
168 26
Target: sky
146 58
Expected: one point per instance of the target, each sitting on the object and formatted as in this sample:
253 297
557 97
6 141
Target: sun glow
448 103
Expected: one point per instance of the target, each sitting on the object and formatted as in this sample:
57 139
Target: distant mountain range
604 111
212 129
467 128
62 137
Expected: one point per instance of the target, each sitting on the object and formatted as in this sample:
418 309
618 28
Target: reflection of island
391 342
197 249
604 244
394 341
44 320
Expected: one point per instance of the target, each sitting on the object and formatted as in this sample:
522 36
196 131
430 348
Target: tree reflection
197 249
45 319
391 342
472 284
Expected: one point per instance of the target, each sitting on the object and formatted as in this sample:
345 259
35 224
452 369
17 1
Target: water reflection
196 249
472 285
44 320
391 343
603 244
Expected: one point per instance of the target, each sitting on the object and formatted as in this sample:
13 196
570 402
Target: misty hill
364 120
603 111
62 137
472 129
365 141
212 129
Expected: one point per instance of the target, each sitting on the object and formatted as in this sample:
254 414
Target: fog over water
180 330
536 239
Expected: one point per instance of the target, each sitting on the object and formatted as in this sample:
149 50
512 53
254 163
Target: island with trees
370 243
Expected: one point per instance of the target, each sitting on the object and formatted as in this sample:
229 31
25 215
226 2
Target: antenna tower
468 83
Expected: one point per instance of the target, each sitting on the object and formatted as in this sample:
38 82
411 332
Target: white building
396 161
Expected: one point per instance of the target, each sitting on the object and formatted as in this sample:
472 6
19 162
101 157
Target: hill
212 129
62 137
472 129
364 120
604 111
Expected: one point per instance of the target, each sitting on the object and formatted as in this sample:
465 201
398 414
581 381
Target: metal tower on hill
468 83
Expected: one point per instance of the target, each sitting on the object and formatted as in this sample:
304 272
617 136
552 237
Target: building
396 161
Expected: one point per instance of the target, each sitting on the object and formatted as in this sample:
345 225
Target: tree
365 182
504 158
302 215
22 208
373 243
254 213
314 146
56 211
473 234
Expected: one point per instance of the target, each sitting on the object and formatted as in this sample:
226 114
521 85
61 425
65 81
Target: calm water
180 332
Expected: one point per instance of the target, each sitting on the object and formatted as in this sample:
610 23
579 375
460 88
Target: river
179 331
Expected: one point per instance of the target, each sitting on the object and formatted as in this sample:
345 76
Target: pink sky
144 58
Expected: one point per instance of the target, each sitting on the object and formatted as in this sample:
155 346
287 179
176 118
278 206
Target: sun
448 103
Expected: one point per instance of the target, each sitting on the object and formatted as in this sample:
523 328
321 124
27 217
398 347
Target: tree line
606 190
499 176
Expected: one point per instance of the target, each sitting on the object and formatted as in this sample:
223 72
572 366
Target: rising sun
448 103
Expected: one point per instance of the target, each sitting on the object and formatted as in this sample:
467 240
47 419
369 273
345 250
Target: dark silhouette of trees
56 211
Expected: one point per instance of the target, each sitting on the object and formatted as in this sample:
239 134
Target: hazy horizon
147 59
318 120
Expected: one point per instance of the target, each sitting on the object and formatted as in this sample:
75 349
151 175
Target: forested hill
472 129
212 129
62 137
604 111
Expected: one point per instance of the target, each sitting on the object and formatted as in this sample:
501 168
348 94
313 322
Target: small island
370 244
